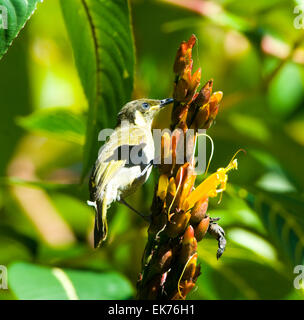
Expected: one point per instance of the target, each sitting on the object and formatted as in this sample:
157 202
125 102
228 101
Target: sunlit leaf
28 281
241 7
77 213
233 276
252 242
14 14
36 184
11 249
101 36
296 130
61 123
286 90
275 182
250 126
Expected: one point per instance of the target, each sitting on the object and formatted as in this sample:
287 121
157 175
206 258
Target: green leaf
275 182
241 273
250 126
12 248
254 280
61 123
13 16
101 37
50 186
76 212
283 223
286 90
279 145
28 281
253 242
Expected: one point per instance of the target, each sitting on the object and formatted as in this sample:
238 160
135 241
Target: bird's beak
161 104
164 102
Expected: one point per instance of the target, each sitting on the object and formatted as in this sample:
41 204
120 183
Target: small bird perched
125 160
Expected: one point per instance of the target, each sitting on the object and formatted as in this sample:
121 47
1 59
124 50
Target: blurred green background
255 55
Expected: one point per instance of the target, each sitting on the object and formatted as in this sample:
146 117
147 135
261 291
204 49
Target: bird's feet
145 217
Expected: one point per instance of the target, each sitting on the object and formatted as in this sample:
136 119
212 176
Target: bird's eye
145 106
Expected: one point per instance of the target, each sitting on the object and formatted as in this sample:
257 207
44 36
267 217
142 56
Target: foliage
16 15
66 76
100 32
55 283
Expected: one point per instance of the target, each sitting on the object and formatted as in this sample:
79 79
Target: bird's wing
103 174
110 160
106 171
113 156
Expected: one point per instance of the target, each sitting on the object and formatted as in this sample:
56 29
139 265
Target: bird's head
142 112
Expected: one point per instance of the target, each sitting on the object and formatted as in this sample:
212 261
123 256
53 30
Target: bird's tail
101 224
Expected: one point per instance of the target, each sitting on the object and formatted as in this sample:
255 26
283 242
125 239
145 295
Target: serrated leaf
13 16
33 282
101 37
61 123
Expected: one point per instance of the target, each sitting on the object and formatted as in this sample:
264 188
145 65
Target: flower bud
178 115
164 260
199 105
201 117
189 245
204 94
178 223
163 183
171 192
184 55
166 153
180 173
199 210
190 270
217 96
186 187
214 102
201 230
194 82
213 108
180 90
188 236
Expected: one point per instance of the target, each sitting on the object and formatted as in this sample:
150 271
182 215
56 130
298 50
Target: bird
125 160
